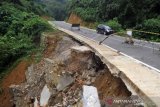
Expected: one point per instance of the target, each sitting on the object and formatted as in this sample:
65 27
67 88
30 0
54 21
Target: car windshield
107 27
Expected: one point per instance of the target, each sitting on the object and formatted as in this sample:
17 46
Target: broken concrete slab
36 102
63 56
137 80
64 81
79 65
45 95
81 49
90 97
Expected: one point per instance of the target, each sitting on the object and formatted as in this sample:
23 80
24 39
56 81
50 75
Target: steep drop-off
58 78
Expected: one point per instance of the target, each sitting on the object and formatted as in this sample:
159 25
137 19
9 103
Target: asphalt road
145 52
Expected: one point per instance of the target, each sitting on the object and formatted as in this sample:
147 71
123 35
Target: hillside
129 12
48 63
20 34
141 15
20 27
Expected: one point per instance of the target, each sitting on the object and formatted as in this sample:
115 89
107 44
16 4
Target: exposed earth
58 79
16 76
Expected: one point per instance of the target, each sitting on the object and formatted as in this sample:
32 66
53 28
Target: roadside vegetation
21 28
121 14
114 24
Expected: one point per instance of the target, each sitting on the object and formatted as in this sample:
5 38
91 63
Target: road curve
141 50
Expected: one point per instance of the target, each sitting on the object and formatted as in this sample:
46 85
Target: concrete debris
45 95
88 83
90 97
16 90
60 80
64 81
64 55
81 49
36 103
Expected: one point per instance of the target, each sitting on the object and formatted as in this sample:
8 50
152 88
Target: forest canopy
135 14
129 12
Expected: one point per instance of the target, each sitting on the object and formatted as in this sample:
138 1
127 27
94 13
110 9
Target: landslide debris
57 80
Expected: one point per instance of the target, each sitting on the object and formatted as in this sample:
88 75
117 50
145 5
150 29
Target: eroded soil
62 58
76 19
16 76
110 87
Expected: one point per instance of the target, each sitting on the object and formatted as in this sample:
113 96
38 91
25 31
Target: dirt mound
17 75
76 19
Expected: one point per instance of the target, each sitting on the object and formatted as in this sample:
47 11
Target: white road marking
157 49
134 39
136 60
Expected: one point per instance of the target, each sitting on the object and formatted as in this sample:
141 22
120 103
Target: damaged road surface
71 75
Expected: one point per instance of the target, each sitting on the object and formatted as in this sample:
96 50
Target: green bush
12 48
114 25
150 25
35 23
18 32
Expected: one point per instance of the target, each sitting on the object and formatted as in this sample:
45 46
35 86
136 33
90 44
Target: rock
64 81
65 71
26 86
92 74
36 103
16 90
50 61
13 86
78 104
90 97
103 104
52 77
29 73
45 95
64 55
81 49
84 75
93 79
88 83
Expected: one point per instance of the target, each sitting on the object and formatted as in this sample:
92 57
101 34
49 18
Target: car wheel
104 33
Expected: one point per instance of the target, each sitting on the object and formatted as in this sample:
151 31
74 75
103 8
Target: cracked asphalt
146 52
